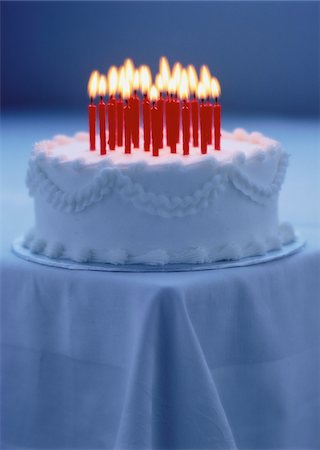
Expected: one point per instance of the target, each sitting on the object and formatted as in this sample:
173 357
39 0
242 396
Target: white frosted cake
129 209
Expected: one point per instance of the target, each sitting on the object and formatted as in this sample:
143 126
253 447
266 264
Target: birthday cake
120 210
157 196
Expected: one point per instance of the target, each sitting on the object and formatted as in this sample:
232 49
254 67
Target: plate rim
286 250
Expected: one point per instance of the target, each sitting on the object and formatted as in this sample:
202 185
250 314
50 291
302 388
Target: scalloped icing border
193 255
110 180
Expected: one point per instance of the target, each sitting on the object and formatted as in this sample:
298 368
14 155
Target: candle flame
164 70
193 78
172 86
215 88
125 89
176 72
201 91
205 78
154 93
136 80
102 90
159 82
112 80
121 79
145 79
93 84
184 85
129 70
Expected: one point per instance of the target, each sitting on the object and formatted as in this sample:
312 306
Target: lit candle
176 109
127 117
145 82
160 106
135 110
155 122
119 121
170 113
111 107
193 82
185 112
186 127
121 80
164 71
102 114
205 78
176 75
209 120
92 91
215 92
203 135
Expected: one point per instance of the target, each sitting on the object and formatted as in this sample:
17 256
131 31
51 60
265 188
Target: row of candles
176 96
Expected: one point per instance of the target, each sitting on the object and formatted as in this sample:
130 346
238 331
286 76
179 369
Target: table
213 359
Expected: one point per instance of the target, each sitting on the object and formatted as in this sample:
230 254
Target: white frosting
140 209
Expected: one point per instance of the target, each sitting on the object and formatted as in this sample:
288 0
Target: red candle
215 92
119 121
102 113
92 124
209 121
135 113
171 124
92 111
160 106
176 109
186 127
155 122
217 124
111 109
102 123
167 114
195 121
203 129
146 123
127 128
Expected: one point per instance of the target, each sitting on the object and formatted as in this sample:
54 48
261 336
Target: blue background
265 54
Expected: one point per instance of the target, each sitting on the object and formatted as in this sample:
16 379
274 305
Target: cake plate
286 250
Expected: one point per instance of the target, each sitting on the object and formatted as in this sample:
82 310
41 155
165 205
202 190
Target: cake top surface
65 170
234 145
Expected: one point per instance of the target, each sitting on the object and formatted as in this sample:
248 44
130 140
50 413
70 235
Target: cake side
198 209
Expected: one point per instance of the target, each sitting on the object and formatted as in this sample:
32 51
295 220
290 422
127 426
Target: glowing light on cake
176 73
164 70
102 90
129 70
193 79
205 78
145 80
93 84
112 80
92 92
136 80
